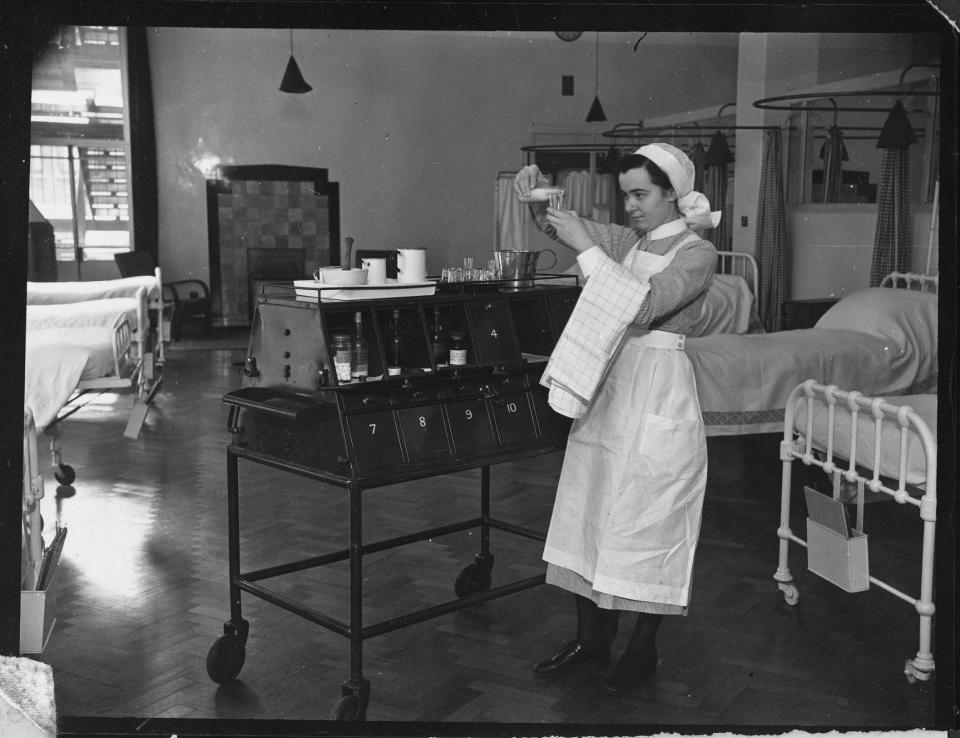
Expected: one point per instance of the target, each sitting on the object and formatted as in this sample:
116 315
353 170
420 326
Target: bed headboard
740 264
912 281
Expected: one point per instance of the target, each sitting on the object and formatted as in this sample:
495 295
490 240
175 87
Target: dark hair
639 161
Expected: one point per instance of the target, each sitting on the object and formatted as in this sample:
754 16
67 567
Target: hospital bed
731 302
882 446
882 340
62 293
38 563
76 347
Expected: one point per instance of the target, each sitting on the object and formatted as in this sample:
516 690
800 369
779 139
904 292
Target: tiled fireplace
267 223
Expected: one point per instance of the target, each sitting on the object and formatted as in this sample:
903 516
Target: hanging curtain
891 242
509 215
834 153
698 155
143 147
771 245
717 158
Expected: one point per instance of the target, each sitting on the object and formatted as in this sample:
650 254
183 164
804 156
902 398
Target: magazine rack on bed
909 465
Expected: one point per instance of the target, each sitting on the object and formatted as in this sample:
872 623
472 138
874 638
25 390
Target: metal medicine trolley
292 413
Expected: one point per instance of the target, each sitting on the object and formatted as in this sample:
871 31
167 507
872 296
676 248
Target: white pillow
906 317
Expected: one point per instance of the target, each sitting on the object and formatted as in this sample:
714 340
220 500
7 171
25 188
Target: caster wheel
472 579
791 595
65 474
225 658
346 708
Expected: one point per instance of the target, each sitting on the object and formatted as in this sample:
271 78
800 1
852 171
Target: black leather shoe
572 654
629 673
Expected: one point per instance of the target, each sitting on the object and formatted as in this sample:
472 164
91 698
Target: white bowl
341 277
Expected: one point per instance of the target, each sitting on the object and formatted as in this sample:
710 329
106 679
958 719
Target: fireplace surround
267 223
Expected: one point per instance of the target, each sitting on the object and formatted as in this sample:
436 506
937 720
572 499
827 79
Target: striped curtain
717 158
833 153
698 155
771 245
891 242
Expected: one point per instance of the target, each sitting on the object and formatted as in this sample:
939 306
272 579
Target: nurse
626 518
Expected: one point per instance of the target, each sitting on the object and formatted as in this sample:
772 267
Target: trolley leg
484 511
356 690
484 559
227 654
233 539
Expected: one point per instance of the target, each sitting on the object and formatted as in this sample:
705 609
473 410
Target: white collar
668 229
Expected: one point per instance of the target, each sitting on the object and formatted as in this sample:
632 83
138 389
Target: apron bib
628 507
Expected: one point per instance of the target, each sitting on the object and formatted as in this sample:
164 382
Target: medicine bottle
458 348
438 341
359 366
341 356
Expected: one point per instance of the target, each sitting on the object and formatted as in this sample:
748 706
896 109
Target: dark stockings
595 626
641 641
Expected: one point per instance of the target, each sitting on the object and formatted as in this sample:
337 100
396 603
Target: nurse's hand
570 229
526 179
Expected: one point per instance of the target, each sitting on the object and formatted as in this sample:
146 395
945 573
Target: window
80 143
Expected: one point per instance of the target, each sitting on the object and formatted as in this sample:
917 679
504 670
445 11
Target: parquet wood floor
143 593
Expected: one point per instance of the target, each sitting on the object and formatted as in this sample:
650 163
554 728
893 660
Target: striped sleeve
615 239
684 279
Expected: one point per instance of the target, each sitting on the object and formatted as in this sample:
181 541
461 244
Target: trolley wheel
225 658
791 595
472 578
65 474
346 708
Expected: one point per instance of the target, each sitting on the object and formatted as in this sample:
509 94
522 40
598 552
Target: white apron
628 508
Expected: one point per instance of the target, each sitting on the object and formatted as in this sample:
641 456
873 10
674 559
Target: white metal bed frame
912 281
133 368
799 446
741 264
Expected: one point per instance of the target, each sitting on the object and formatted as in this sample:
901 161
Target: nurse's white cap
694 205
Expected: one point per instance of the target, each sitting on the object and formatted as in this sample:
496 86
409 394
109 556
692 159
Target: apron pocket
671 448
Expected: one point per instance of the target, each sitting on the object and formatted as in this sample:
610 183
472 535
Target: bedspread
743 381
56 360
58 293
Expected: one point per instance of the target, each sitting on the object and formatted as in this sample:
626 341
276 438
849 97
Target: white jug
411 266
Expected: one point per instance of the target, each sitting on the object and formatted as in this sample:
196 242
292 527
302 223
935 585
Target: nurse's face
649 205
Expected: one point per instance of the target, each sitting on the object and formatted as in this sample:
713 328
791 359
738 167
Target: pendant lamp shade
293 80
897 130
596 113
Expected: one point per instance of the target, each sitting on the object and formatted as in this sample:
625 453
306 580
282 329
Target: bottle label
458 357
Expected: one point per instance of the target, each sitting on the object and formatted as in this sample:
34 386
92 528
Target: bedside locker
804 313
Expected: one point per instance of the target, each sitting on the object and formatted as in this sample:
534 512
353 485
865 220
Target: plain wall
414 125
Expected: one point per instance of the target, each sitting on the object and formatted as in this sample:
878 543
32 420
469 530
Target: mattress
925 405
104 313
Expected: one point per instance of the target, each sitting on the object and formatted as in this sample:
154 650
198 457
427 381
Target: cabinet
294 414
804 313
